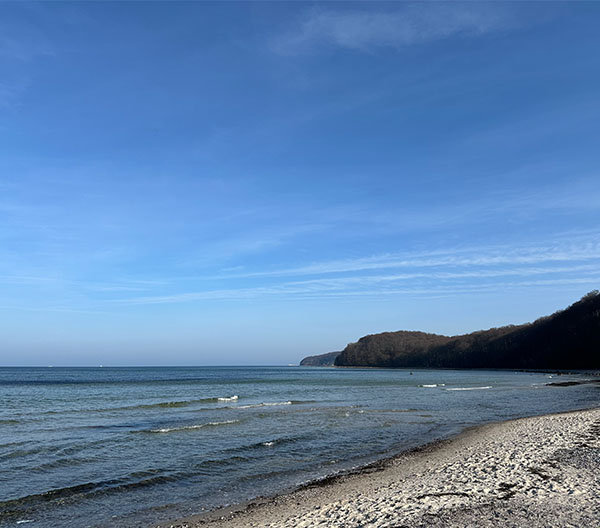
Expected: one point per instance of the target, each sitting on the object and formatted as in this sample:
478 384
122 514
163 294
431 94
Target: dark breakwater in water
131 446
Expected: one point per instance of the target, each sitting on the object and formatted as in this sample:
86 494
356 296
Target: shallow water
133 446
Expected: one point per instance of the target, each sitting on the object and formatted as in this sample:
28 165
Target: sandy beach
535 472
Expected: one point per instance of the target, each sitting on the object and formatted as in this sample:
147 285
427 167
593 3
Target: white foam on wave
263 404
469 388
229 398
430 386
191 427
269 444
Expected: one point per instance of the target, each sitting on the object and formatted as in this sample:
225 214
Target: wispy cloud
8 95
590 249
325 290
250 242
22 49
366 30
464 271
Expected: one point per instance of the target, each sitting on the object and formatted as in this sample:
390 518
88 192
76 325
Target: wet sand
536 472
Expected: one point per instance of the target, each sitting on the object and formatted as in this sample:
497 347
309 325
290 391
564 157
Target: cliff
568 339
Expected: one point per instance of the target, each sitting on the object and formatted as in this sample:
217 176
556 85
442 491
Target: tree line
567 339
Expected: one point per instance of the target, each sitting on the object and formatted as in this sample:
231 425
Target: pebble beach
536 472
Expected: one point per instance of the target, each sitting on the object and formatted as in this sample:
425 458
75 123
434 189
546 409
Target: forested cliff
568 339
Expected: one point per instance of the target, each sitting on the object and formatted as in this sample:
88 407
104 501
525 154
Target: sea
132 447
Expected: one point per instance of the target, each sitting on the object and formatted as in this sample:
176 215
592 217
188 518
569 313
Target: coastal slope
568 339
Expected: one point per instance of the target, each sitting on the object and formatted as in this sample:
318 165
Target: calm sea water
133 446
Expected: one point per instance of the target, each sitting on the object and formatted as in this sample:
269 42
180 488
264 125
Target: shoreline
465 478
557 372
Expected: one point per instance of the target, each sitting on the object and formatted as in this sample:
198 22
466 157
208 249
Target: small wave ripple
469 388
274 404
16 507
142 406
265 404
9 422
190 427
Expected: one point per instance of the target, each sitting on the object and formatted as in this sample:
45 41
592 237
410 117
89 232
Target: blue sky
250 183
